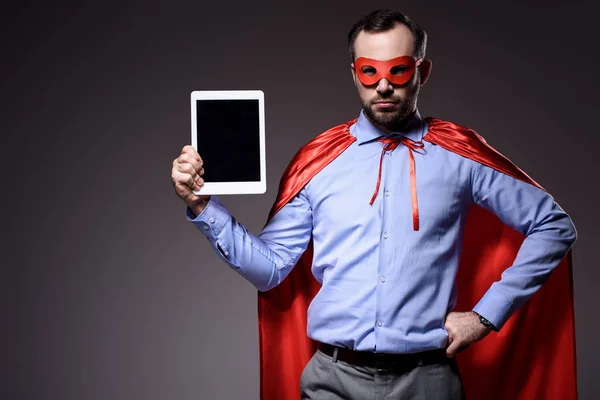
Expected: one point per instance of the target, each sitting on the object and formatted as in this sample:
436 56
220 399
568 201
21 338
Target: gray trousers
324 379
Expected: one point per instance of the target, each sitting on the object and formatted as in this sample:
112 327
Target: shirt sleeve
264 260
549 234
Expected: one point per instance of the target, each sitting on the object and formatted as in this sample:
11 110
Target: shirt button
227 254
211 220
385 235
383 279
386 193
379 323
205 227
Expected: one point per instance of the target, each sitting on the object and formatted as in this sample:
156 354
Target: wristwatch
486 323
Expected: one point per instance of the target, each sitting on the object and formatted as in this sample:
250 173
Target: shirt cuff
212 219
495 308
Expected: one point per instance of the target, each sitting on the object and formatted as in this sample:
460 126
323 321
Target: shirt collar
365 131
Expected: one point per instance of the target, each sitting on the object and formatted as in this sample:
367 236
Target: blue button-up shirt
386 287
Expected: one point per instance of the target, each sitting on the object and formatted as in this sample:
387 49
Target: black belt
404 362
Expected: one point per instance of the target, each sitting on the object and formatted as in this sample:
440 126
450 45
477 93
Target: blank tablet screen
228 140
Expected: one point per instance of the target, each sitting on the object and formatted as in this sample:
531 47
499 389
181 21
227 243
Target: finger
188 159
186 168
453 348
197 182
188 148
192 152
184 179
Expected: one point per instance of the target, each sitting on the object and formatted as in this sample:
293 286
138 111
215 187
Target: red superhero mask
398 70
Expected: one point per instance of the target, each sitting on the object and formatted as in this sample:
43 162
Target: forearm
540 253
263 260
197 208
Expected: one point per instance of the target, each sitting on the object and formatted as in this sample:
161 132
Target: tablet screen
228 139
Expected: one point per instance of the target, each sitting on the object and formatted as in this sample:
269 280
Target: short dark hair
385 20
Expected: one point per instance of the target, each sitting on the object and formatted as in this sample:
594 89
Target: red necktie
390 144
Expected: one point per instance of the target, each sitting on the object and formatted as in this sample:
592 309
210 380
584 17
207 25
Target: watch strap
486 323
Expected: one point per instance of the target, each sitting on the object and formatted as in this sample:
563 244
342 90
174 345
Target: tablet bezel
258 187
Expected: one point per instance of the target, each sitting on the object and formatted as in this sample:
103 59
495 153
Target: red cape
532 357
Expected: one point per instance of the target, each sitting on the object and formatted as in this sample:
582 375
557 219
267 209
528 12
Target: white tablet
228 131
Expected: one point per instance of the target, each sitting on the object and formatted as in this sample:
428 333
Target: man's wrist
198 207
485 322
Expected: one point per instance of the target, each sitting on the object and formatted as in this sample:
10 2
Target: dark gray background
109 293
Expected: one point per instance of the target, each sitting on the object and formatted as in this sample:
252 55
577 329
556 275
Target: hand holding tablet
228 132
187 176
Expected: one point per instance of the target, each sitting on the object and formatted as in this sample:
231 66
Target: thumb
453 348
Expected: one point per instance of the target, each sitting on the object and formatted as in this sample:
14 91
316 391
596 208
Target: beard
393 119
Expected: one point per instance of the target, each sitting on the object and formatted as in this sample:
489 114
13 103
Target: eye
368 70
398 69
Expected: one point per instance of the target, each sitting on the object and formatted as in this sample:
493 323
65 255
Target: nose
384 86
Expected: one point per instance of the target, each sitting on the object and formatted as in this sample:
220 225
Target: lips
385 104
387 101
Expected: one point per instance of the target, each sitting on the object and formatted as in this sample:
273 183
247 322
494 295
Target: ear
425 70
353 72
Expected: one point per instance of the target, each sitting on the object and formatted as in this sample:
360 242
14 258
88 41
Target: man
385 218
